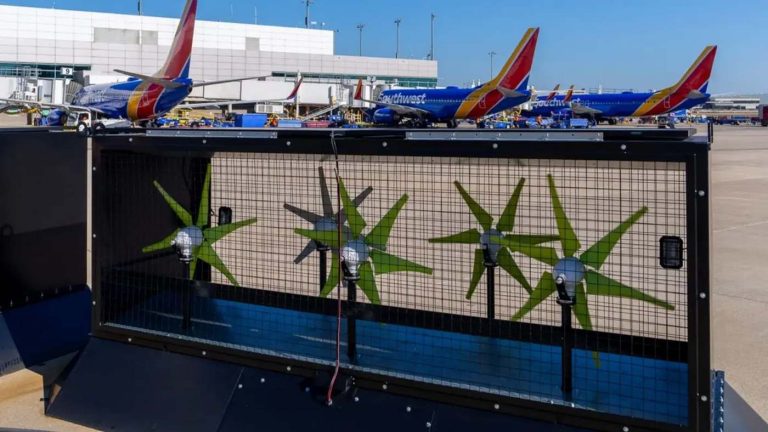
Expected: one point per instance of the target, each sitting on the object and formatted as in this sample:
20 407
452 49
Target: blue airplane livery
690 91
418 107
142 97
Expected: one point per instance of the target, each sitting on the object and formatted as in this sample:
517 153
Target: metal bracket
181 133
506 135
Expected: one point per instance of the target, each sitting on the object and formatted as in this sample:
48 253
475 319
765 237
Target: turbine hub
326 224
354 253
570 269
186 241
491 242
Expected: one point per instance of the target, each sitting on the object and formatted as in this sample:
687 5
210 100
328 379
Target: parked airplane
690 91
417 107
143 97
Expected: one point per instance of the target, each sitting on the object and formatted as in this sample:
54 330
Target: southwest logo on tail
693 85
569 95
417 108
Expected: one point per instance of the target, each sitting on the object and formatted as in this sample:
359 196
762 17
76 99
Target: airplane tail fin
177 63
696 79
553 93
296 89
569 95
359 90
513 77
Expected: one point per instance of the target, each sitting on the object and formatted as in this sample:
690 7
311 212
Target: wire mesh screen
448 268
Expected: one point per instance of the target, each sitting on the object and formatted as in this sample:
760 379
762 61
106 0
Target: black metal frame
616 144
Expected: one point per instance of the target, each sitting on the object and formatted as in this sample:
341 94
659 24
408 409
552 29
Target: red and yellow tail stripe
143 101
553 93
177 63
512 75
668 99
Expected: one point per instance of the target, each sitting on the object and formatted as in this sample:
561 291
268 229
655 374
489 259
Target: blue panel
623 385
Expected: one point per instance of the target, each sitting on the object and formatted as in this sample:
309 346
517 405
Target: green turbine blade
162 244
507 219
467 237
567 236
215 234
367 283
206 253
379 235
328 238
342 217
596 255
525 239
181 212
482 216
545 254
581 310
597 284
544 289
205 197
478 268
386 263
509 265
333 276
356 221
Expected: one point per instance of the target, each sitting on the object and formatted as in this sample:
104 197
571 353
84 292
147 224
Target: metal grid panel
147 290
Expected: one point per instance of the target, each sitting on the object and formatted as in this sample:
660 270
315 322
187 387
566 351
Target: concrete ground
740 311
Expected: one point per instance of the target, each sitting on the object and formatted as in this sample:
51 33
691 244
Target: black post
351 323
567 363
323 252
490 278
186 299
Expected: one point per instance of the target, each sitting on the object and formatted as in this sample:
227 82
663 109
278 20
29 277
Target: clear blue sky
616 43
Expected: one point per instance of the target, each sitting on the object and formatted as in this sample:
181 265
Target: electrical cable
329 395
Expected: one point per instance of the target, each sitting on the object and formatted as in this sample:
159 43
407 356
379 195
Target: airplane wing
578 108
400 109
218 104
65 107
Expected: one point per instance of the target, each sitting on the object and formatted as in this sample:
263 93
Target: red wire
329 395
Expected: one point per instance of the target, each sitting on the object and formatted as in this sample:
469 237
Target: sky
619 44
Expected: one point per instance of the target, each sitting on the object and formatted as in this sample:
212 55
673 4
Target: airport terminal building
41 49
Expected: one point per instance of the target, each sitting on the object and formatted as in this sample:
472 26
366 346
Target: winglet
569 94
514 75
296 89
552 94
359 90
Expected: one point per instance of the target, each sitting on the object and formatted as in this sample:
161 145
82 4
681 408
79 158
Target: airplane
143 98
418 107
689 91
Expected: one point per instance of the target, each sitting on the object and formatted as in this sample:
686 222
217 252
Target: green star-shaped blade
367 283
203 211
507 219
598 284
544 289
596 255
483 218
467 237
181 212
567 236
386 263
510 266
379 235
356 222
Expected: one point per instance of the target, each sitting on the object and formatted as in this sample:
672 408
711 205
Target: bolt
205 353
407 409
704 398
288 368
496 406
625 429
239 386
130 139
94 236
130 340
94 168
495 146
384 144
262 380
383 386
623 147
357 399
288 143
306 389
205 141
93 303
429 425
702 193
703 295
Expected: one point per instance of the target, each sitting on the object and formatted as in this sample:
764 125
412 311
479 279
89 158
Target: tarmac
739 311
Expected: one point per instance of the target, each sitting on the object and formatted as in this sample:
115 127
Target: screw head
704 398
239 386
357 399
702 193
205 141
625 429
130 340
306 389
205 353
496 406
703 295
262 380
495 146
407 409
288 368
383 386
429 424
384 144
288 143
623 147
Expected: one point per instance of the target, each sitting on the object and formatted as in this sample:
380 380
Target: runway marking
737 227
333 341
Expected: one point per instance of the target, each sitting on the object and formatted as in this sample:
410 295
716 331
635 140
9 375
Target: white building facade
45 47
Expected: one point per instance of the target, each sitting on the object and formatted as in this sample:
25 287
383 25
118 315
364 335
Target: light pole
306 12
491 54
432 36
360 28
397 37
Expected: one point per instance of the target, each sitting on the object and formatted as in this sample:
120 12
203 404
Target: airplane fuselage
611 105
446 104
135 100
